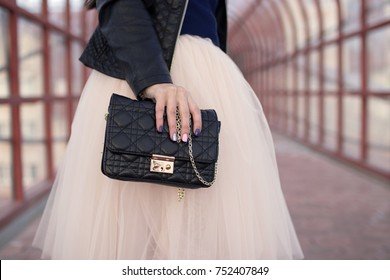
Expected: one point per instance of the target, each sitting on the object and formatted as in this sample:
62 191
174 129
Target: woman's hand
170 96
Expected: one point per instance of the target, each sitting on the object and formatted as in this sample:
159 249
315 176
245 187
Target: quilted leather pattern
99 54
131 139
167 16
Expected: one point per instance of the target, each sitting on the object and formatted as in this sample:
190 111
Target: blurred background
321 69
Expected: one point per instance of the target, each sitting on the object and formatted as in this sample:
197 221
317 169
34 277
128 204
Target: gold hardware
197 173
180 194
162 164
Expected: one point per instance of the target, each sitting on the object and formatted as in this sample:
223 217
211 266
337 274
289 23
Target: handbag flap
131 129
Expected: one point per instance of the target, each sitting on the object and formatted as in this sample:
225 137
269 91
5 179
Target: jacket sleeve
129 30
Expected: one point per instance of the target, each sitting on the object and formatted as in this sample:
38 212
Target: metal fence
322 72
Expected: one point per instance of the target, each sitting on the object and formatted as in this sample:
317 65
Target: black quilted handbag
135 151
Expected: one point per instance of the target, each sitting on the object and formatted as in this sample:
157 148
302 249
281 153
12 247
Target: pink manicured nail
184 138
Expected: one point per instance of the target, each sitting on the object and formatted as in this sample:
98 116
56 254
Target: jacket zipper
182 19
179 30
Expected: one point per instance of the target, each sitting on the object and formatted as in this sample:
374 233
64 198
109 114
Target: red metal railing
263 21
22 198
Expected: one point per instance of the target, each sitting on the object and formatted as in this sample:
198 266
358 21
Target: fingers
182 100
158 94
170 97
196 117
171 115
160 109
164 97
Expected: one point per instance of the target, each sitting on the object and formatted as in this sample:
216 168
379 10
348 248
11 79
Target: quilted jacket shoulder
151 27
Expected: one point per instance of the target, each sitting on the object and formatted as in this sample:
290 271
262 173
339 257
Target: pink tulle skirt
242 216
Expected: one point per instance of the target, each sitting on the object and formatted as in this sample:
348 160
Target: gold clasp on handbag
162 164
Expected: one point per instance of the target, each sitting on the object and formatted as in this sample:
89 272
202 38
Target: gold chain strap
197 173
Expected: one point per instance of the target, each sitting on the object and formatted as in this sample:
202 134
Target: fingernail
160 129
184 138
174 137
197 132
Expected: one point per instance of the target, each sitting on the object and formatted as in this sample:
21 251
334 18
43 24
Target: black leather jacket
135 39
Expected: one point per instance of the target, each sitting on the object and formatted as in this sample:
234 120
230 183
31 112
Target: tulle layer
242 216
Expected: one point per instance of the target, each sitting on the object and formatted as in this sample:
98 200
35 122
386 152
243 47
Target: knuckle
171 112
159 114
159 118
160 107
185 129
185 112
172 127
181 91
171 89
171 86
